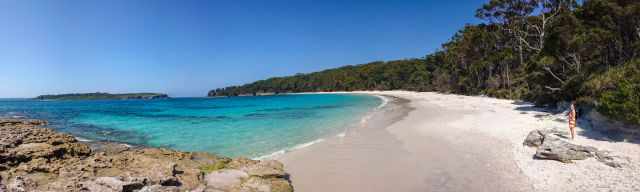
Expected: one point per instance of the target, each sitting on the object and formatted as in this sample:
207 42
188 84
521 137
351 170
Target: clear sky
187 47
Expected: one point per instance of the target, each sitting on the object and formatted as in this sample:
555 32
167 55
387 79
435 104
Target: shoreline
363 119
424 141
453 143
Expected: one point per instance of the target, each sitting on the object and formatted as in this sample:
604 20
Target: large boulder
554 148
552 145
536 137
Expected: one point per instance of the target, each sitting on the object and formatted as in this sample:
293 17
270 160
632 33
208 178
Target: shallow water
237 126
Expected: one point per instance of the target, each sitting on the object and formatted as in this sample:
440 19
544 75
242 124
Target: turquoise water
237 126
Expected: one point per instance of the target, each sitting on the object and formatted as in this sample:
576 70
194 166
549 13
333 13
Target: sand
438 142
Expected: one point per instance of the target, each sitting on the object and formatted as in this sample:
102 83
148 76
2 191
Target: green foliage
402 74
101 96
545 51
621 100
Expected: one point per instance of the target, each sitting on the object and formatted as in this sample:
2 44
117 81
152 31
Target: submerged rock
39 159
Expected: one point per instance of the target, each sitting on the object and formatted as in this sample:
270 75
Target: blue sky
188 47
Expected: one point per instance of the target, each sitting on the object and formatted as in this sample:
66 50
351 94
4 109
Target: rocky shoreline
33 158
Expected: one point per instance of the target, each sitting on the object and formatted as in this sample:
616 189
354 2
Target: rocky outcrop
551 144
557 149
40 159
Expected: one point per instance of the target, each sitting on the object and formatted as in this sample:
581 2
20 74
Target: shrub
622 100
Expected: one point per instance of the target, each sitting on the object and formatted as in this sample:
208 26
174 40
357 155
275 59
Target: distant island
99 96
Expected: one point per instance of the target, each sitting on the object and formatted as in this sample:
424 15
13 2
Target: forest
543 51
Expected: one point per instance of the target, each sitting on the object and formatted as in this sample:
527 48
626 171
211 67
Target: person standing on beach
572 120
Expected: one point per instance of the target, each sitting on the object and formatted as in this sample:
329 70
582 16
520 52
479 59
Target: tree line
544 51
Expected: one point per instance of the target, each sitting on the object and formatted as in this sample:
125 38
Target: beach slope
438 142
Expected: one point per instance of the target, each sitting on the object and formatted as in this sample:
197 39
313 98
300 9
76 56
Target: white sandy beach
453 143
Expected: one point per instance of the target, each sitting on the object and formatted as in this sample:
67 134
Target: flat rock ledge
553 145
33 158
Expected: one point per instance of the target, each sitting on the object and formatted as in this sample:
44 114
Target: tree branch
554 75
524 41
572 59
553 88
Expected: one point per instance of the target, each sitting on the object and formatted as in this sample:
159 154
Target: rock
224 179
21 184
551 146
612 160
159 188
256 184
39 159
554 148
170 181
536 137
108 147
115 184
267 168
266 185
280 185
14 122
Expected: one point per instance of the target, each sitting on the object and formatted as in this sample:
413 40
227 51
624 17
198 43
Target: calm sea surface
237 126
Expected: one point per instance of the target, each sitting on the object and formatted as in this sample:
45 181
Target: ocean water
236 126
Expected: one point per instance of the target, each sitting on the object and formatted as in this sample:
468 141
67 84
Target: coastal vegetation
544 51
102 96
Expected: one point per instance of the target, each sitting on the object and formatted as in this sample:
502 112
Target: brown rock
268 168
39 159
225 179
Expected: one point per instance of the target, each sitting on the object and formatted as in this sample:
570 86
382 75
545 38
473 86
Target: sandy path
420 151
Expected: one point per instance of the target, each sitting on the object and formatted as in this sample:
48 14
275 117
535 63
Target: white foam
384 99
363 121
282 152
307 144
82 139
